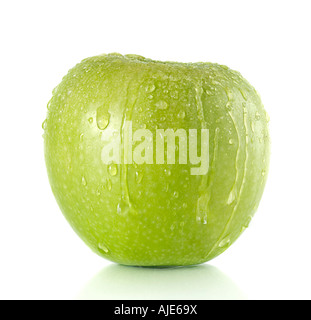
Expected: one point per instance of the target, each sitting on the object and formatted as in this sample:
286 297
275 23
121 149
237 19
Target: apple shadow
202 282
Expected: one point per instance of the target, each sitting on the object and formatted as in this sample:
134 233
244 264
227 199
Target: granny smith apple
156 163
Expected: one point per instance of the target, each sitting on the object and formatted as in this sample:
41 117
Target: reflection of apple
203 282
152 214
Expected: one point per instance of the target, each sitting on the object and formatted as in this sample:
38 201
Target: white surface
267 41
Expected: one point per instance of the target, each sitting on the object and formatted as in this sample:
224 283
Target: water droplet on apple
122 207
167 172
176 194
230 141
167 187
257 116
161 105
98 193
252 127
229 93
102 118
90 120
229 106
247 223
150 88
113 169
232 196
44 124
103 248
243 94
109 184
181 115
139 176
84 182
81 137
202 208
225 242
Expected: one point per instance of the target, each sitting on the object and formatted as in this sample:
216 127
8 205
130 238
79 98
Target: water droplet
243 94
257 116
176 194
202 208
167 172
81 137
230 141
119 210
90 120
113 169
98 191
44 124
229 106
184 205
247 223
84 182
232 196
263 173
102 118
181 115
122 207
167 187
161 105
109 184
225 242
103 248
229 94
150 88
139 176
253 127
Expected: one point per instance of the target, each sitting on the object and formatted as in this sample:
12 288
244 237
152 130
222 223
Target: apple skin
150 214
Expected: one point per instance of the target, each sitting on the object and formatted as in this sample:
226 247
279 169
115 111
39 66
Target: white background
267 41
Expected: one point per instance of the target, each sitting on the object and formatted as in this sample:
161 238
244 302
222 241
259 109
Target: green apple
125 193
